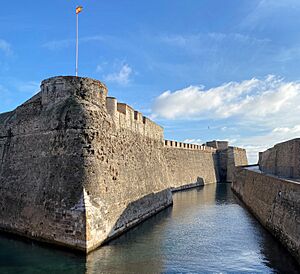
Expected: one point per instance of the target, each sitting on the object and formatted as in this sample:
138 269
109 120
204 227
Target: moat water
206 231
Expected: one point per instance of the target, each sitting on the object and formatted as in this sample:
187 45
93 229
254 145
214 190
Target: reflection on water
206 230
18 256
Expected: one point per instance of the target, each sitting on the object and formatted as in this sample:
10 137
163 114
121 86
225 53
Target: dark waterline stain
206 231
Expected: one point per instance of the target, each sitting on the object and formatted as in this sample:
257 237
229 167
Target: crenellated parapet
176 144
126 117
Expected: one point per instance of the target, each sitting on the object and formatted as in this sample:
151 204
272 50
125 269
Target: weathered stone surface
189 166
235 157
272 192
282 160
220 145
275 202
272 199
77 168
42 172
226 159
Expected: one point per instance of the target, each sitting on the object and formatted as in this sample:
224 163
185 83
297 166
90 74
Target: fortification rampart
176 144
227 159
275 203
125 116
282 160
271 191
220 145
235 157
190 167
77 168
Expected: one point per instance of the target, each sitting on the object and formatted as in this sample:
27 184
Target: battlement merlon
125 116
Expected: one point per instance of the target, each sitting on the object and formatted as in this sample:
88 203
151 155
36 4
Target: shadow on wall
200 181
224 194
273 251
118 256
139 210
216 165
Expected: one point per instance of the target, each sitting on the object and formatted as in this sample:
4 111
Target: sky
204 70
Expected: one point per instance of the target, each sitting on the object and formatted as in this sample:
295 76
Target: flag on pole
78 9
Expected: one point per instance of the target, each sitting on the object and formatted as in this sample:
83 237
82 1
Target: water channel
206 231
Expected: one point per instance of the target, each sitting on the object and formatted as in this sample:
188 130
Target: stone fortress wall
125 116
271 191
227 158
190 164
176 144
77 168
235 157
186 168
282 160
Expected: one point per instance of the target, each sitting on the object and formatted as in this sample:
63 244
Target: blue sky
209 69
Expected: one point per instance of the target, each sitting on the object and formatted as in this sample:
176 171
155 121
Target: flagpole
76 45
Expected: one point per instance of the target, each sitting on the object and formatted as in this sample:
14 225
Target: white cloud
102 67
193 141
5 47
286 130
58 44
99 68
16 92
266 10
95 38
261 101
263 111
30 87
65 43
121 77
199 42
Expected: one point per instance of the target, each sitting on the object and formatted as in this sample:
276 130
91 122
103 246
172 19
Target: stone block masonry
282 160
77 168
271 191
189 167
227 158
235 157
275 202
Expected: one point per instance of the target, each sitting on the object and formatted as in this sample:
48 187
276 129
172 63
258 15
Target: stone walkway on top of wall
255 168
